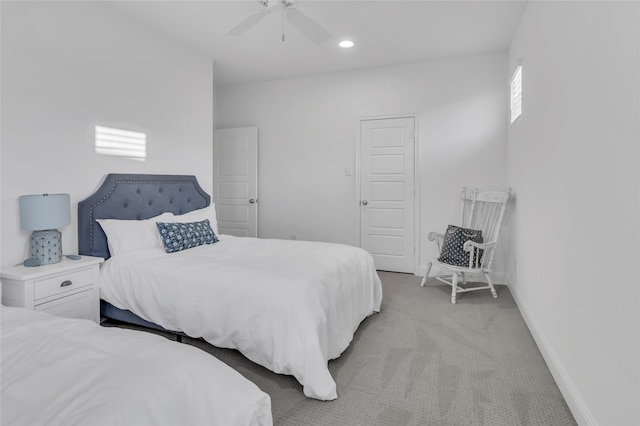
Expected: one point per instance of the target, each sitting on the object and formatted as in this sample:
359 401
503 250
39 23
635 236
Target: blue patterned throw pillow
452 251
182 236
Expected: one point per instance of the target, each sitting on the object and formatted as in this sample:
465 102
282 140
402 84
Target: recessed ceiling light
345 44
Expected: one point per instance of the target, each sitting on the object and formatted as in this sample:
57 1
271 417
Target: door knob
365 202
251 201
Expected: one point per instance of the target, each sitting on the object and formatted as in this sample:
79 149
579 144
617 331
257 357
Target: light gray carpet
424 361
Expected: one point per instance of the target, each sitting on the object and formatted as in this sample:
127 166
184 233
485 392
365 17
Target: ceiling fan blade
247 23
307 26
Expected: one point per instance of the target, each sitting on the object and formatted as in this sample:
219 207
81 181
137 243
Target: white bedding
74 372
289 306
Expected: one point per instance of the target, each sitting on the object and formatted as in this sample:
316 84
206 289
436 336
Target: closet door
387 191
235 180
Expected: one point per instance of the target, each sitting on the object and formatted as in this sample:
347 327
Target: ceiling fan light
346 44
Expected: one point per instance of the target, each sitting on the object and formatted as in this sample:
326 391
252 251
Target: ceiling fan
290 12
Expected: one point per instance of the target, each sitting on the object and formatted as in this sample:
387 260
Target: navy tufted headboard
134 197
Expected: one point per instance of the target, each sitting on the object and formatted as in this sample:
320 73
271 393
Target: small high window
121 143
516 94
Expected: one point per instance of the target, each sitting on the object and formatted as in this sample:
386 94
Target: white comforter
289 306
74 372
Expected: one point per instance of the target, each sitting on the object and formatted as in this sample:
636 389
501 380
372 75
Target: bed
290 306
66 371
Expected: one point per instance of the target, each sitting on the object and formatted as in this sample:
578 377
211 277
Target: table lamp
42 214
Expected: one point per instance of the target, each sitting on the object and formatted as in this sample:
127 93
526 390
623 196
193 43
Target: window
121 143
516 94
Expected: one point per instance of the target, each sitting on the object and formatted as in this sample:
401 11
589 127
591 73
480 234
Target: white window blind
516 94
121 143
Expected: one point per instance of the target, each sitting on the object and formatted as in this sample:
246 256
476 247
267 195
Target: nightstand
69 288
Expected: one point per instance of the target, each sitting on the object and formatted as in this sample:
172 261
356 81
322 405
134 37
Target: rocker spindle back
484 211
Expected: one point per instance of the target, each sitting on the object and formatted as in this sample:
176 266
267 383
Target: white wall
308 133
573 161
67 66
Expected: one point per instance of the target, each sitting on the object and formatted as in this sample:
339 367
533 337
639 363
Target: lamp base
46 246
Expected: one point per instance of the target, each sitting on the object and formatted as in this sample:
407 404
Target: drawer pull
66 283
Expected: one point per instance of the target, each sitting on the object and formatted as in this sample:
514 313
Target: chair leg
454 288
426 274
464 278
493 290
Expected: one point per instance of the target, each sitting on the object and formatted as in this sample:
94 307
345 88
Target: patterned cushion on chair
452 251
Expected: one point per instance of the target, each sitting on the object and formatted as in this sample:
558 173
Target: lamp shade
44 211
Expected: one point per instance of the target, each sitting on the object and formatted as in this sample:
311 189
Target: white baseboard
496 277
571 395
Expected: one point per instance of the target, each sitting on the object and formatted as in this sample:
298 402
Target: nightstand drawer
69 288
77 305
62 283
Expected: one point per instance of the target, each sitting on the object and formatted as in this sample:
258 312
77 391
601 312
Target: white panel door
387 173
235 180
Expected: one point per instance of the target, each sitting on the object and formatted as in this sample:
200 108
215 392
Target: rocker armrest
473 247
433 235
469 244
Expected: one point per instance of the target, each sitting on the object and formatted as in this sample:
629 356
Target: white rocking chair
483 211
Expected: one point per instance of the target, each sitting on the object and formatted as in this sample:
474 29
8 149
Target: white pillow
208 212
132 235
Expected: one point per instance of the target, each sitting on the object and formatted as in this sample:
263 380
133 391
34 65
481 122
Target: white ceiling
385 33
